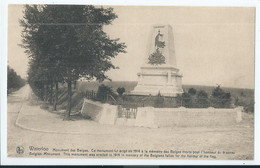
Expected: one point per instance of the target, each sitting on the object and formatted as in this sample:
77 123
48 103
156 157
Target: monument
159 73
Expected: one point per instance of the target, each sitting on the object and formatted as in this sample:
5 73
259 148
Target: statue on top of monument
158 43
157 58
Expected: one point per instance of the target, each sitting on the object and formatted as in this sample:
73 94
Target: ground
29 125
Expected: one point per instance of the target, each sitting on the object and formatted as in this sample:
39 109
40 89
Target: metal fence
91 94
127 112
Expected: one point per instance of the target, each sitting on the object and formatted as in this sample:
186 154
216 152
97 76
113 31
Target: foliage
156 58
120 91
202 94
159 101
247 104
220 98
192 91
202 99
193 99
14 81
186 99
103 92
67 42
249 107
247 100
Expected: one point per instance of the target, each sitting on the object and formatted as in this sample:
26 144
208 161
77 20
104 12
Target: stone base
171 91
163 79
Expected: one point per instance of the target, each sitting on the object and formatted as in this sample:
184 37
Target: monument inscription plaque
159 72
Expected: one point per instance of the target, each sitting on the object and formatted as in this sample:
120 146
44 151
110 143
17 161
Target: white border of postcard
49 161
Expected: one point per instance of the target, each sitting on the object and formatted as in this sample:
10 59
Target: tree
221 98
39 41
70 39
193 98
14 81
36 79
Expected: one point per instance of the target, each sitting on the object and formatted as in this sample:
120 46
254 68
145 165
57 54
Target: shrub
220 98
202 94
103 92
192 91
159 101
247 103
179 99
120 91
249 107
202 99
186 100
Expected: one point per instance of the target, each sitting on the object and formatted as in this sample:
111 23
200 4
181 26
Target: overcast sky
212 44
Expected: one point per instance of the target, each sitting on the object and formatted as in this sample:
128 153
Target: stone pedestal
163 79
158 73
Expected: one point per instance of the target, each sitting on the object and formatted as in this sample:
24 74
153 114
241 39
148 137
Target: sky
213 45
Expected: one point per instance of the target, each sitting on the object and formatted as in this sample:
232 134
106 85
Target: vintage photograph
130 82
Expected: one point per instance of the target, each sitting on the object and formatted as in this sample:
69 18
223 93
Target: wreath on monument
156 58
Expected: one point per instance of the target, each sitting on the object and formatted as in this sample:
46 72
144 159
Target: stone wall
163 117
146 117
102 113
91 109
183 117
196 116
108 114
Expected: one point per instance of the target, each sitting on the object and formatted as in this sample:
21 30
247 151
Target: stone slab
109 114
145 117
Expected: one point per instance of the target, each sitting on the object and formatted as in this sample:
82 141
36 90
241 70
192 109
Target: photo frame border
76 161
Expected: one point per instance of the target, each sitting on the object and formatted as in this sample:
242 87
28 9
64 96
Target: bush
192 91
103 92
202 99
220 98
247 103
186 100
120 91
159 101
249 107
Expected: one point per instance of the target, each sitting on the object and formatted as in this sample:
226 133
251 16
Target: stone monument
159 73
